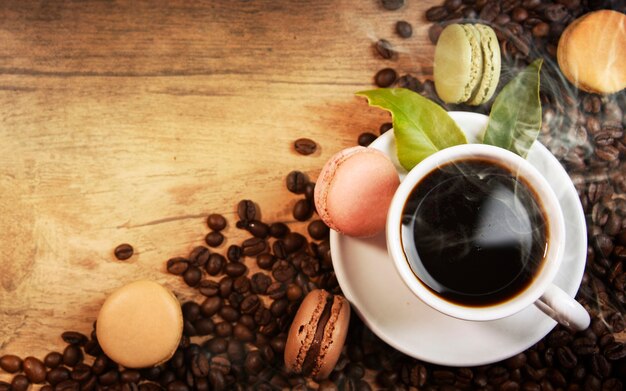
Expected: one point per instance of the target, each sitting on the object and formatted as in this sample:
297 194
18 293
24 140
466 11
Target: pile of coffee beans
247 293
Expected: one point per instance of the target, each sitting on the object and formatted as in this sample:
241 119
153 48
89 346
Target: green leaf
515 118
421 127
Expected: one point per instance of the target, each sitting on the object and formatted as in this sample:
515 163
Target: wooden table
131 122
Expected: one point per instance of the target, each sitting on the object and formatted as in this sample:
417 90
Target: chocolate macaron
317 334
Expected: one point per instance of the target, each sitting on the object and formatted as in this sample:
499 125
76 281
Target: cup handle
564 309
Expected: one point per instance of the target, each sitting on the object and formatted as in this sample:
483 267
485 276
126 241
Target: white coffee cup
540 292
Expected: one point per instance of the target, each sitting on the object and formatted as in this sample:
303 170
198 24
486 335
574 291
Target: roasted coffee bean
216 222
366 139
130 376
4 386
11 363
250 304
100 364
283 271
385 77
235 269
302 211
223 329
211 306
177 265
200 365
226 286
555 12
296 182
253 246
265 261
260 282
234 253
566 358
57 375
294 292
305 146
386 126
258 229
404 29
177 385
20 383
254 362
294 242
241 285
221 364
109 378
208 288
69 385
192 275
615 351
392 5
199 256
584 346
34 369
318 230
53 360
434 31
243 333
215 263
204 326
262 316
490 11
123 251
229 313
279 249
74 338
217 345
436 14
214 239
246 210
278 307
384 49
278 343
72 355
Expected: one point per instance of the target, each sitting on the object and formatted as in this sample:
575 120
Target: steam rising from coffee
474 233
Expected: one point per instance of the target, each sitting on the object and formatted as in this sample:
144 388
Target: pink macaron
354 191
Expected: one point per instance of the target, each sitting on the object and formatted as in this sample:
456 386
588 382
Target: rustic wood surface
130 122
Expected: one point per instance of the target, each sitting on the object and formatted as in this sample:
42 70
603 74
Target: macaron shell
592 52
456 68
354 191
491 65
334 337
302 330
140 325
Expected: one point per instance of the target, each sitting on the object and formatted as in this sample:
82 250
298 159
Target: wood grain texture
131 121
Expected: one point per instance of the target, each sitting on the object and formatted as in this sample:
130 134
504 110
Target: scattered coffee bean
385 77
234 253
246 210
392 5
302 210
385 49
53 360
260 282
11 363
214 238
215 264
305 146
366 139
404 29
34 369
258 229
20 383
318 230
235 269
199 256
177 265
192 275
253 246
216 222
123 251
296 182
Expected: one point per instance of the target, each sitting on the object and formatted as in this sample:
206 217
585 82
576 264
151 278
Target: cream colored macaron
140 325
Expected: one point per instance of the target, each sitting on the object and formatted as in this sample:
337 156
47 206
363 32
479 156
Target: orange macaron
354 190
592 52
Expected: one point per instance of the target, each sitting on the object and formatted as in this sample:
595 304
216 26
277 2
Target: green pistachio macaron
491 65
458 65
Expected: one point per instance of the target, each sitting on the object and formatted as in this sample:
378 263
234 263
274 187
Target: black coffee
474 233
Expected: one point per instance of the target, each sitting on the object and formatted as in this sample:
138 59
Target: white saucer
378 295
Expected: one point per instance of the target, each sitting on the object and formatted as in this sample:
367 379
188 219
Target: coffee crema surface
474 233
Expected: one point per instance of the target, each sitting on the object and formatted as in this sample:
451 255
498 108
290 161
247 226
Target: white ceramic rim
556 232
